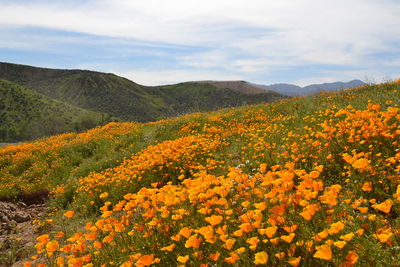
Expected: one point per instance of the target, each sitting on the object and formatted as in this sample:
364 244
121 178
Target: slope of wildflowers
301 182
39 166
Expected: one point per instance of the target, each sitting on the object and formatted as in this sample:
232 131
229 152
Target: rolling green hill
25 114
122 98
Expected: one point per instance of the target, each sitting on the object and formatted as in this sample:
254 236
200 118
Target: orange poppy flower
261 258
270 231
183 259
351 258
294 261
103 195
43 238
384 206
367 186
323 252
214 219
168 248
288 238
347 237
145 260
336 227
69 214
215 256
232 258
52 246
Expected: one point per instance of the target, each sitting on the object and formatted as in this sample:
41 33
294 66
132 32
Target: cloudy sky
167 41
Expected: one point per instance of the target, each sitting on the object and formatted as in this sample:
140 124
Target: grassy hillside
196 97
100 92
25 114
122 98
238 86
308 181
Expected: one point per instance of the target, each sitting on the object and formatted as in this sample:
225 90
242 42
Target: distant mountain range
294 90
105 97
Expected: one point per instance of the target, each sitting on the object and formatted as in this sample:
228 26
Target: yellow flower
288 238
245 204
43 238
340 244
367 186
193 241
183 259
269 231
52 246
60 261
384 237
215 256
360 164
214 219
323 252
185 232
261 258
290 229
280 255
69 214
168 248
253 241
232 258
261 206
347 237
294 261
351 258
145 260
360 232
104 195
336 227
384 206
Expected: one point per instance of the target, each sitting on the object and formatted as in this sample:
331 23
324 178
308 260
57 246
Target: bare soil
18 231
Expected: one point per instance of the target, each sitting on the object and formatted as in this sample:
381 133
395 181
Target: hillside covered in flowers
310 181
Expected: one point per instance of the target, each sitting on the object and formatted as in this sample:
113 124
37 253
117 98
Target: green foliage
26 115
198 97
124 99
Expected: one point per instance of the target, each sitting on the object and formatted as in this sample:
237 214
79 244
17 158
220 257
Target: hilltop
26 115
309 181
239 86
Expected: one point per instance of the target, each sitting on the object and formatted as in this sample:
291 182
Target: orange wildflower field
311 181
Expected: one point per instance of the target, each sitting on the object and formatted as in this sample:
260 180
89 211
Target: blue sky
167 41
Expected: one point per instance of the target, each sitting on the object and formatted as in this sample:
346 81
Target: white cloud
239 37
306 22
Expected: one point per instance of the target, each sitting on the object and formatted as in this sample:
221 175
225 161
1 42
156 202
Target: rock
4 218
16 224
21 216
22 204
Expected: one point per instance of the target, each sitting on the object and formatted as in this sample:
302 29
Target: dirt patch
18 232
39 197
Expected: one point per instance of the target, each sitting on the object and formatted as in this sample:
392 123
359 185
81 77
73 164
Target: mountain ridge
295 90
239 86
